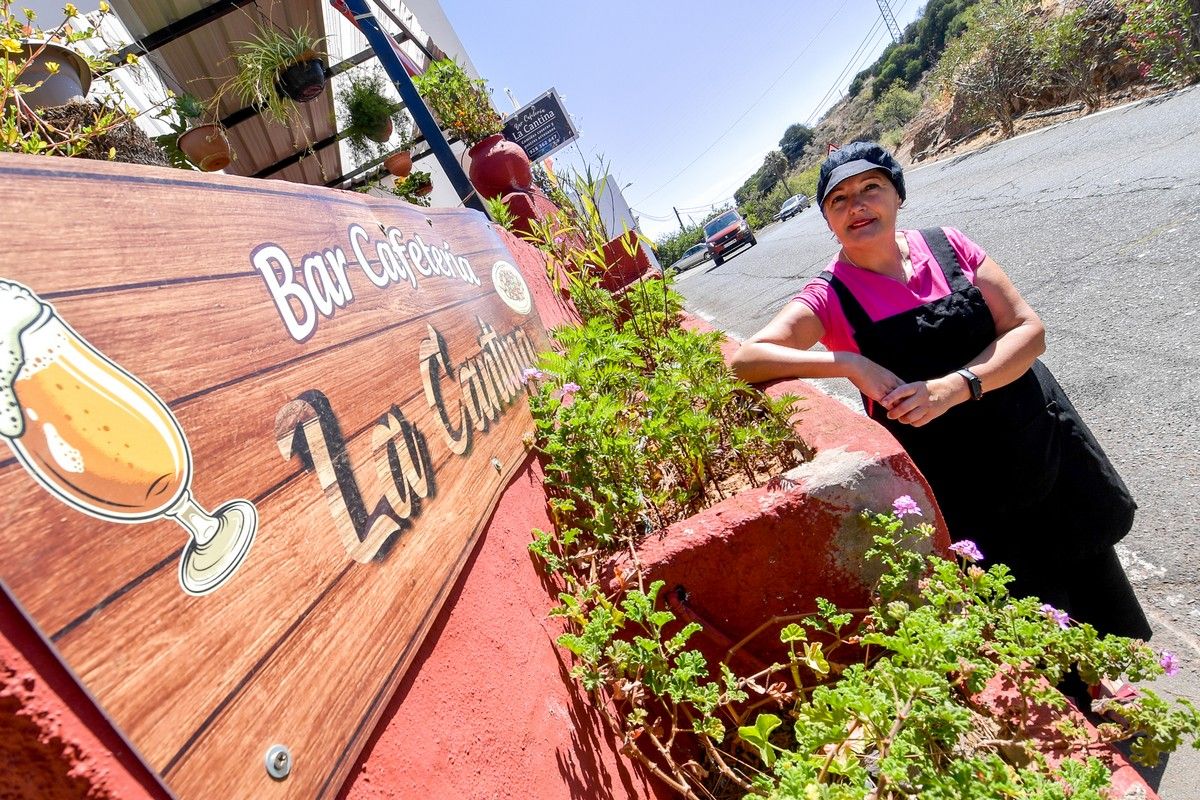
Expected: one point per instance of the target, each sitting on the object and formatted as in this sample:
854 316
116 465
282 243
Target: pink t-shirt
881 296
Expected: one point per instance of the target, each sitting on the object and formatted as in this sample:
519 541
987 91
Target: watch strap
973 383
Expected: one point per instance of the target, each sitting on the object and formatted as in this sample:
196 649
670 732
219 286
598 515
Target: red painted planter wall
488 709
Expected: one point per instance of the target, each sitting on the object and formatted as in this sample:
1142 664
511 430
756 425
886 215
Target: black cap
853 159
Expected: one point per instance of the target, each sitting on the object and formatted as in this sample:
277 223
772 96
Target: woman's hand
920 402
872 380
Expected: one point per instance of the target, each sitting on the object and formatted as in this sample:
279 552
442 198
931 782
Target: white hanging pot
71 82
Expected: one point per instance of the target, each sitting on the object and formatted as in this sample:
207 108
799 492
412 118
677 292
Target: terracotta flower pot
382 133
499 166
206 147
424 190
399 164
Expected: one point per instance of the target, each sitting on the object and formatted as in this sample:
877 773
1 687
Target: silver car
792 206
694 256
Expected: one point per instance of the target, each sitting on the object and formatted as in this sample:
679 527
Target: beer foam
18 308
66 456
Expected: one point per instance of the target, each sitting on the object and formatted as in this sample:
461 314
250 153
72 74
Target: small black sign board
542 127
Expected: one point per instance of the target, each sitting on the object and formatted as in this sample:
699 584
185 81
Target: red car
727 233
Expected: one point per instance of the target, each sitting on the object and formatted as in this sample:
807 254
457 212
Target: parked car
694 256
792 206
727 233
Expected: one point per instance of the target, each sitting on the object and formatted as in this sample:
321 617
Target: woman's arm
1020 339
780 350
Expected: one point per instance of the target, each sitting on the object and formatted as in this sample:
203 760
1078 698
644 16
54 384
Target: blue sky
682 98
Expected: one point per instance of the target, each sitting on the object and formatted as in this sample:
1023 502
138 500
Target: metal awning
200 59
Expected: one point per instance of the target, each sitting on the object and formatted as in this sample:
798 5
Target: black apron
1017 471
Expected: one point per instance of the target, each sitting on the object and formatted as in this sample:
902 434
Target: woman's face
861 210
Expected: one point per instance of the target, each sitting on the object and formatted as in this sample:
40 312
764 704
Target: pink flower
1169 663
531 373
1061 617
968 550
567 392
905 505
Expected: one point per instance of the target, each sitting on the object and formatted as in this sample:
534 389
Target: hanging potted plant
418 184
462 105
372 117
190 146
45 76
276 68
399 163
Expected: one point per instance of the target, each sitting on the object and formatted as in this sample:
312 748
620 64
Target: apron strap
855 315
946 258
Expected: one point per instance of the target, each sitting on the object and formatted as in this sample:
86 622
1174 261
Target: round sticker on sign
511 287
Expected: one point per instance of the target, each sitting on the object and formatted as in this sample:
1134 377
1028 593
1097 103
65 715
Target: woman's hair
855 158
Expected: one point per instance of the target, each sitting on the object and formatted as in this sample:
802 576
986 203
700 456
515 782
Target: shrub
892 139
897 106
995 65
1164 36
1078 48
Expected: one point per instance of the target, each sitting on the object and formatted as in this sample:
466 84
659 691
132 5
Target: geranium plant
459 102
874 703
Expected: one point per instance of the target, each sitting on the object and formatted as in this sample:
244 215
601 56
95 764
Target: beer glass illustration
102 442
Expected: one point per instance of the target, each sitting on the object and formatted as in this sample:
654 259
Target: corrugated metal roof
200 62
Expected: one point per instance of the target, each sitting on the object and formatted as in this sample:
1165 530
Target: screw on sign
279 762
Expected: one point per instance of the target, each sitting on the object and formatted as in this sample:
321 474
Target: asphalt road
1097 222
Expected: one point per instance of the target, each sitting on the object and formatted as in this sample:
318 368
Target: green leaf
814 658
793 633
759 735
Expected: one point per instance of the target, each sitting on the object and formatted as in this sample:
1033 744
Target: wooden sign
253 432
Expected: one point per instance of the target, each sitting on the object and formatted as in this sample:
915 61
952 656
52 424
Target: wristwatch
972 383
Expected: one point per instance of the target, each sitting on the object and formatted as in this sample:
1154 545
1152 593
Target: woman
944 350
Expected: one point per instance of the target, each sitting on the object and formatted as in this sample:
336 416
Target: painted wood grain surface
348 366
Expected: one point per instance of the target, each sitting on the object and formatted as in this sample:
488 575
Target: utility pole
381 43
889 20
676 210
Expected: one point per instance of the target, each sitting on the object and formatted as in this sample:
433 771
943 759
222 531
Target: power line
862 52
750 108
862 48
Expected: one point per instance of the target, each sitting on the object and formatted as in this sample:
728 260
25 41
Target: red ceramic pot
399 164
499 166
206 147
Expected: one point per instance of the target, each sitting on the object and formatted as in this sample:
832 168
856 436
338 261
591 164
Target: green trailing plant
459 102
24 129
369 111
881 703
261 59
